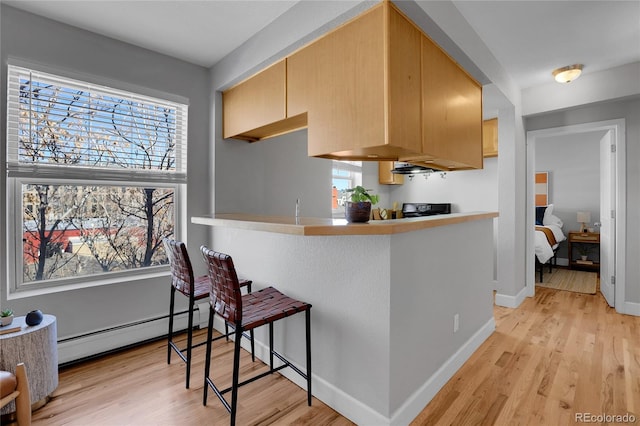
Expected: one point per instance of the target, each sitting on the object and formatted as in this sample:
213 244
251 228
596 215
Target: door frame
617 127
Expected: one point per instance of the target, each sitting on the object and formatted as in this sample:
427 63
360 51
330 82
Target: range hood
401 168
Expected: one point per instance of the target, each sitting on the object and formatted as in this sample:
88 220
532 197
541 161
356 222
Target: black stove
425 209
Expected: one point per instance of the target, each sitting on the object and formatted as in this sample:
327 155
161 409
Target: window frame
15 249
17 288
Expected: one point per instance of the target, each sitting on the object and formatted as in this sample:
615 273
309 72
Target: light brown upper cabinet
256 108
451 113
375 88
385 177
490 137
355 110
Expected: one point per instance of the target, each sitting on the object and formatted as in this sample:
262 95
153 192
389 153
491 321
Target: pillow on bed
547 214
552 220
540 215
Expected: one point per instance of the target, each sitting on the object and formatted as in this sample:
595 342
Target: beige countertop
321 226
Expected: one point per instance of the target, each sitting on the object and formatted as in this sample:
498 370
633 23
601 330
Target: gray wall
40 40
267 177
630 111
573 163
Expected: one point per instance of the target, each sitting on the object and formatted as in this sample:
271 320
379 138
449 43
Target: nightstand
584 243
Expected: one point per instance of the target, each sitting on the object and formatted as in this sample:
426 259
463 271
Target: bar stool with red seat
195 288
247 312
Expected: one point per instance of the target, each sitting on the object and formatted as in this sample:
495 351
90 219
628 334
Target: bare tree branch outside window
81 229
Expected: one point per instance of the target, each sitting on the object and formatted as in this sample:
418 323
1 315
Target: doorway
612 204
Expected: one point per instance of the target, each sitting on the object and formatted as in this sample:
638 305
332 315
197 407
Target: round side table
37 347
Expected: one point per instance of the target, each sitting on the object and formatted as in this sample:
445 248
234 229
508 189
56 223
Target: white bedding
544 250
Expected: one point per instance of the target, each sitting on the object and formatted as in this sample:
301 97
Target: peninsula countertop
324 226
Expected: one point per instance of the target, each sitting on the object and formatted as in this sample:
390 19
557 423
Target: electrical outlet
456 322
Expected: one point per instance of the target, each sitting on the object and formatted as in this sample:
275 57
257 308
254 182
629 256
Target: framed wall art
542 189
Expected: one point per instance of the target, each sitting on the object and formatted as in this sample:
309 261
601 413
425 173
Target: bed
548 236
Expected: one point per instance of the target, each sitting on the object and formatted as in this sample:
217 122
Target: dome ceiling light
567 74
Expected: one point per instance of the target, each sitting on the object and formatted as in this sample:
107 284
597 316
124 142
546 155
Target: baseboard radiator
96 343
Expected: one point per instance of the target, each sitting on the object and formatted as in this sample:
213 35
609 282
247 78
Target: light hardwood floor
558 354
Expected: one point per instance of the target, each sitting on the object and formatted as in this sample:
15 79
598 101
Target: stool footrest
256 377
179 351
220 393
286 363
184 358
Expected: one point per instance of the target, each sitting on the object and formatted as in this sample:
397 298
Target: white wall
593 87
43 41
628 109
573 164
468 190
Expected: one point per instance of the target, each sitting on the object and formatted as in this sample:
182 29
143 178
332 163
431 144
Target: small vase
34 317
583 257
6 320
358 212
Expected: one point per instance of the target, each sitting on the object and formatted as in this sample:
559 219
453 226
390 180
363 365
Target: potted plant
6 317
584 250
358 209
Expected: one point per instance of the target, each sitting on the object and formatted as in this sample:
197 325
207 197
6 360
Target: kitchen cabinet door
256 108
302 80
490 138
451 111
404 86
385 177
339 80
361 87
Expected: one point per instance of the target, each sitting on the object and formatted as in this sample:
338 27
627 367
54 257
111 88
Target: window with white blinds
95 176
63 127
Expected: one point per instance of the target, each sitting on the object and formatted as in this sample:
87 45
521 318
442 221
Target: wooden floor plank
562 353
558 354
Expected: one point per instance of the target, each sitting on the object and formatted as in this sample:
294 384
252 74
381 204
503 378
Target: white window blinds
64 128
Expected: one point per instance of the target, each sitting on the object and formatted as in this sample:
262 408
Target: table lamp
584 218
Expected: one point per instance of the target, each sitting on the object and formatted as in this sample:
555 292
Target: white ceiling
532 38
528 38
201 32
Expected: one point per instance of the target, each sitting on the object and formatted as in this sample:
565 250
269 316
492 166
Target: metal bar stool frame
248 312
195 288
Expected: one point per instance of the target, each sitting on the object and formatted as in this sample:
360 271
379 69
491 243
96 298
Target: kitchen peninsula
398 305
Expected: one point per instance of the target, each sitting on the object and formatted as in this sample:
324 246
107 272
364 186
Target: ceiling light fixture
567 74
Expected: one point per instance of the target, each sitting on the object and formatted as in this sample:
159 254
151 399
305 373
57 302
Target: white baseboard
511 301
416 402
334 397
72 349
345 404
360 413
630 308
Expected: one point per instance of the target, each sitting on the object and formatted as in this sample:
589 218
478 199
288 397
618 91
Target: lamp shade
584 217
